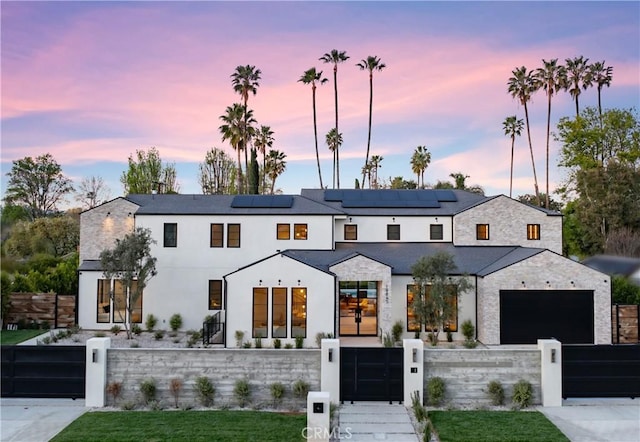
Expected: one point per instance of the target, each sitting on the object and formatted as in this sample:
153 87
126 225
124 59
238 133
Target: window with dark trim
350 232
217 235
533 231
482 231
260 306
116 311
413 324
393 232
170 234
451 324
299 312
436 232
299 231
283 231
104 301
279 312
233 235
215 294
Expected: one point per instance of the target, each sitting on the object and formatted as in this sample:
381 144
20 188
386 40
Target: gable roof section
540 209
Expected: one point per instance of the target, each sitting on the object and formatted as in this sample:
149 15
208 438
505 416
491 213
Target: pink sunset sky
92 82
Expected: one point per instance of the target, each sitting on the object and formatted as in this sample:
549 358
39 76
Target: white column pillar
330 368
96 373
318 416
413 369
551 367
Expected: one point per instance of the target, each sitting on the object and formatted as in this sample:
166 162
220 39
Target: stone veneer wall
467 373
261 367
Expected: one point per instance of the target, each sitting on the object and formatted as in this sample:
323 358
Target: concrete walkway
372 421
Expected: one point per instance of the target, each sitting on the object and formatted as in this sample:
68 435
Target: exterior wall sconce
573 284
436 219
523 284
260 283
393 219
553 355
108 214
331 355
298 283
129 214
279 281
350 219
414 354
548 285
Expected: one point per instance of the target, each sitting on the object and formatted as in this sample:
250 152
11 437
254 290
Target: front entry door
358 308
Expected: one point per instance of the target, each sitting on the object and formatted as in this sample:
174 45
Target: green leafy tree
147 174
400 183
92 192
217 173
460 180
311 76
37 185
512 127
276 166
624 291
577 78
530 199
370 64
130 261
56 236
336 57
433 276
420 160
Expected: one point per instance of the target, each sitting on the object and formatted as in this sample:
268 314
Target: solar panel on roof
446 196
262 201
424 198
390 204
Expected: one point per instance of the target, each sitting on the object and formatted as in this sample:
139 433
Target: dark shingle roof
613 265
90 265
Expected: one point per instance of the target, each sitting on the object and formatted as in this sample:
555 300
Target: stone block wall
101 226
467 373
223 367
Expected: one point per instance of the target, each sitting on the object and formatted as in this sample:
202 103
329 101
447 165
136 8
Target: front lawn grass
494 426
215 425
13 337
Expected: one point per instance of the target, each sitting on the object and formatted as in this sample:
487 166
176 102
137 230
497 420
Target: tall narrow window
284 231
119 302
435 232
170 234
393 232
299 231
412 321
136 309
350 232
451 323
299 312
103 301
482 231
533 231
233 235
217 235
279 312
215 294
259 329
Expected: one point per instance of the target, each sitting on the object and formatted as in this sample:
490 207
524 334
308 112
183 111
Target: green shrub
258 341
387 340
300 389
134 344
418 409
246 344
396 331
322 335
99 334
159 334
288 345
449 336
136 329
242 392
148 390
522 394
299 341
277 393
277 343
116 329
205 391
435 391
151 322
496 393
468 330
239 335
175 322
470 344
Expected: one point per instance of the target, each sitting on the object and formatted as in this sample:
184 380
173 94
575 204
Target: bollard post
551 376
330 368
96 372
413 369
318 417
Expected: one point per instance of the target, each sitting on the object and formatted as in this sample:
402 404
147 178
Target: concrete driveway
37 420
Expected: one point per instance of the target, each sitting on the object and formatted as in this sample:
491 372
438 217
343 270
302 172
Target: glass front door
358 308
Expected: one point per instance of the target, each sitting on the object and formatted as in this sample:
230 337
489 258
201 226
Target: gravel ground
144 340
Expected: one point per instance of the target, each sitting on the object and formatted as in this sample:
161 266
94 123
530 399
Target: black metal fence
371 374
213 330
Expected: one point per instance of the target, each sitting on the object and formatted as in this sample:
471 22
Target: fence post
413 369
96 375
330 368
318 416
551 376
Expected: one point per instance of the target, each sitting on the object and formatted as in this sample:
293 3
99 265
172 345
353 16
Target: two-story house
339 261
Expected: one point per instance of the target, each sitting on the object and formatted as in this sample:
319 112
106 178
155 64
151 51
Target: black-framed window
103 301
451 324
279 312
215 294
482 231
300 231
413 324
217 235
233 235
393 232
283 231
436 232
170 234
116 311
299 312
533 231
350 232
260 312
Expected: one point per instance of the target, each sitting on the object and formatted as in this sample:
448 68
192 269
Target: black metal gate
601 371
371 374
40 371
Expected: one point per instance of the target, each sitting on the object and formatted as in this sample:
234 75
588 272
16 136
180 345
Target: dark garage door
529 315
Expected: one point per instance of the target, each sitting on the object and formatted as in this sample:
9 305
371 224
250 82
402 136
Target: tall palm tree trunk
577 108
513 142
336 155
533 163
546 199
599 105
239 180
366 159
315 134
264 171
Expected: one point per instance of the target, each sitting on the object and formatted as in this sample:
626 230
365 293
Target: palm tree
372 63
577 78
601 75
245 80
232 130
521 86
420 160
375 162
552 77
311 76
334 141
263 142
335 57
275 166
366 171
512 127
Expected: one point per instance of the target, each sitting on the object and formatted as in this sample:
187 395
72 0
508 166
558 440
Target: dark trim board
529 315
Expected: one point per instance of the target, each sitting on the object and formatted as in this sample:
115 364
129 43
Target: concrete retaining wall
261 367
467 372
